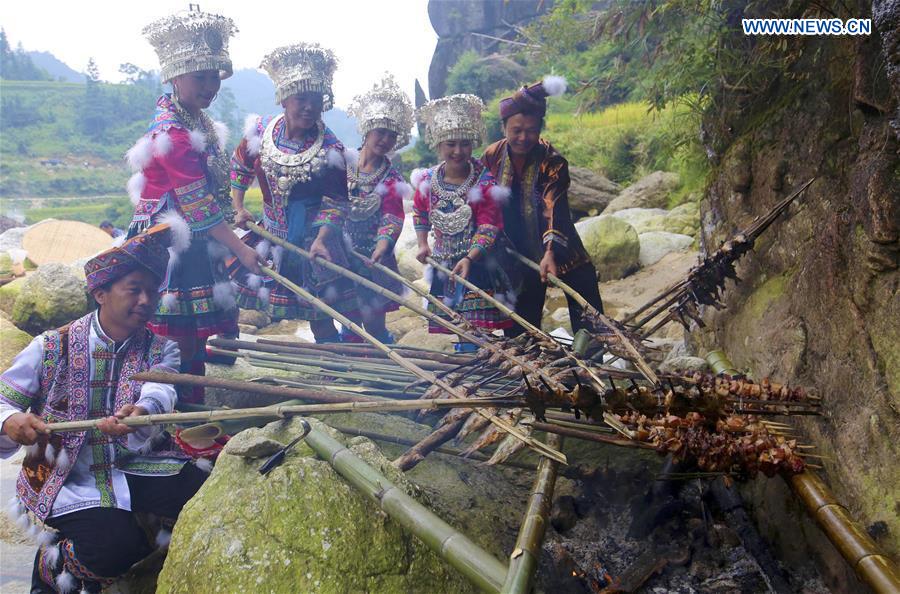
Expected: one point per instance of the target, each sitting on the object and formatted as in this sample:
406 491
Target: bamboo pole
281 411
589 436
364 350
639 361
455 452
477 565
417 453
869 562
527 553
536 445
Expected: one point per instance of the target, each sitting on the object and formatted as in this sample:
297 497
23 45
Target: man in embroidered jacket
537 219
85 486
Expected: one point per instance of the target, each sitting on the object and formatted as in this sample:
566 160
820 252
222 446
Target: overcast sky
368 36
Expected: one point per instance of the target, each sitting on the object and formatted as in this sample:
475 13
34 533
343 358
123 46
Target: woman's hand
112 426
461 270
24 428
382 248
548 265
242 216
249 258
424 253
318 250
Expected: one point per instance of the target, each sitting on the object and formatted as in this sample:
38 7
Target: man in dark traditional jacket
77 491
537 219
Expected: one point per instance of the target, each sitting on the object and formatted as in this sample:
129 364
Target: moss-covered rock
656 244
612 244
9 293
54 295
301 528
12 340
651 191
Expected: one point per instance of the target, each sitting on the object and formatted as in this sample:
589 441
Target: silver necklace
290 169
456 220
366 202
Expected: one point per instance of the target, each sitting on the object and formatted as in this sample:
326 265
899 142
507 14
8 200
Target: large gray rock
644 219
12 340
651 191
656 244
50 297
612 244
590 192
301 528
406 249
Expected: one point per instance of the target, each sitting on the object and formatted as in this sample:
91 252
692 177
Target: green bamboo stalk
400 360
308 370
527 553
475 564
280 411
353 368
639 361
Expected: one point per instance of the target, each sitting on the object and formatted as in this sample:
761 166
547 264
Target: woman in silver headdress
460 201
181 178
384 117
301 170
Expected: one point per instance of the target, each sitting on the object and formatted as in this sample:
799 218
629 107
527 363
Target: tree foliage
17 65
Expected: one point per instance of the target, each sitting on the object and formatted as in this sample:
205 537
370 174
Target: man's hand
25 428
112 426
242 216
317 249
548 265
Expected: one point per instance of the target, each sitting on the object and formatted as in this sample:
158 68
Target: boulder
254 317
644 219
301 528
590 192
612 244
12 340
6 264
656 244
50 297
684 363
406 250
651 191
683 219
403 321
9 293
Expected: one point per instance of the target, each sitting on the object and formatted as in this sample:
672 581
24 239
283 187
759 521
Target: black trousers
108 541
530 302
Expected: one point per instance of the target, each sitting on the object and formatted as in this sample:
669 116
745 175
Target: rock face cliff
455 21
818 304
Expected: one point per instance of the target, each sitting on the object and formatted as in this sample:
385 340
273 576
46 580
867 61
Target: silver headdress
190 42
457 117
385 106
301 68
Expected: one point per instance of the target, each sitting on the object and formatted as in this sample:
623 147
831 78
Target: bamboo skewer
364 350
639 361
280 411
510 313
401 361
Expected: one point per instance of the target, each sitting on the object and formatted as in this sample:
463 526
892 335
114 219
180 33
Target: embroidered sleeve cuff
390 228
555 237
152 405
421 221
484 237
240 181
12 396
198 206
329 216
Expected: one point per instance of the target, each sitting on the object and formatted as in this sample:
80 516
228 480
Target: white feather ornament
169 301
62 460
554 85
198 140
181 233
263 294
500 194
135 187
381 189
263 247
204 464
140 155
253 146
50 454
277 255
417 176
335 159
46 538
162 144
405 190
251 126
475 195
65 582
223 295
254 281
222 132
351 156
51 552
